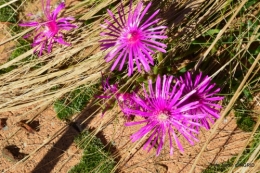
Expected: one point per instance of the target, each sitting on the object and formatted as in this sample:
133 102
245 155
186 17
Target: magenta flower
163 114
126 100
205 95
49 29
123 99
132 38
109 90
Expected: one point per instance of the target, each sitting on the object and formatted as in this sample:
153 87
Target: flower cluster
49 29
168 108
171 107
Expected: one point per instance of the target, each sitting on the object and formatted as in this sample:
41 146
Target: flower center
163 116
52 27
133 37
121 98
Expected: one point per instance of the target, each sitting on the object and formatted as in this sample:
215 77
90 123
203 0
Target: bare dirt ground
48 156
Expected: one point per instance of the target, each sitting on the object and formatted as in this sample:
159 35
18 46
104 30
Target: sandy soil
50 157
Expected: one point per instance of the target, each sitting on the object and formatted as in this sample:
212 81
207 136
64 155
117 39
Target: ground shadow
13 152
52 157
35 125
2 122
73 129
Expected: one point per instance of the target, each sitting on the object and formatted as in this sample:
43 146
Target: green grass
221 167
244 121
243 112
7 13
95 157
22 46
250 149
73 102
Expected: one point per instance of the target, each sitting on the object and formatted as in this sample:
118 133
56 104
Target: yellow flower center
162 116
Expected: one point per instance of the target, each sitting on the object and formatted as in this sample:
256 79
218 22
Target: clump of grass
222 167
73 102
243 111
22 47
7 13
95 157
6 70
244 121
250 149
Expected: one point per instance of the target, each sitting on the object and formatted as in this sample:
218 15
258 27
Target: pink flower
164 114
205 95
110 91
49 29
132 38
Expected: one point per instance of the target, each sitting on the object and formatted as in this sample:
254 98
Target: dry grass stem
221 32
227 109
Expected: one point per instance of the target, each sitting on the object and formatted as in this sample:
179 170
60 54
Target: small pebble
5 128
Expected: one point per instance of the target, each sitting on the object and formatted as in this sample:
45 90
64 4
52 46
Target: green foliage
250 149
247 94
73 102
211 32
222 167
95 158
185 69
249 3
6 70
7 13
22 47
244 121
243 111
